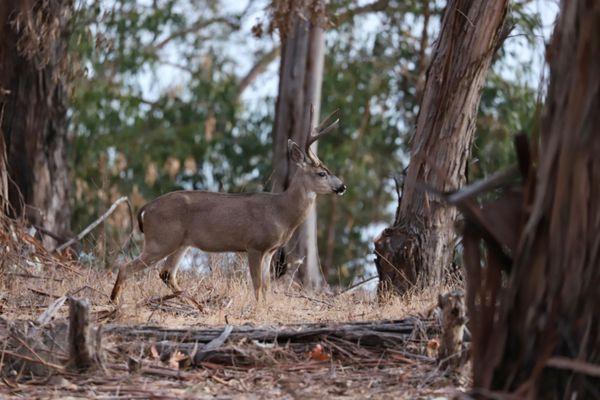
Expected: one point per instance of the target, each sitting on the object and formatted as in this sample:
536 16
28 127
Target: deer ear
295 152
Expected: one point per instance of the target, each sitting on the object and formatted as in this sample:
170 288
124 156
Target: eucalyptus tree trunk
300 79
3 177
33 50
420 244
542 337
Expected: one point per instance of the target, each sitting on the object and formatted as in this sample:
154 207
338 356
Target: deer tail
140 218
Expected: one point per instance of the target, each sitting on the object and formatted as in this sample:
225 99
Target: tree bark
300 79
84 354
3 175
33 103
327 266
420 244
542 336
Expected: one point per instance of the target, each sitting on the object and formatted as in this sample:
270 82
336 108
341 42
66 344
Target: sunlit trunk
420 244
300 79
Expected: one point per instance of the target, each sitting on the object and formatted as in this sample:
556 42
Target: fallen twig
37 360
90 227
578 366
212 345
42 293
47 315
358 284
303 296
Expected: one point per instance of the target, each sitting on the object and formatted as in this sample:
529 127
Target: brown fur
139 218
255 223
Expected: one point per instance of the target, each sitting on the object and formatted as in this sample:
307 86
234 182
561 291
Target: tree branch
266 59
196 26
258 68
93 224
376 6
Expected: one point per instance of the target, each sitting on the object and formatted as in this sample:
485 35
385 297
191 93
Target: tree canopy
180 94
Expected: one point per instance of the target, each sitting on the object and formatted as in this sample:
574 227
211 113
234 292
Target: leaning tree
420 243
33 113
533 292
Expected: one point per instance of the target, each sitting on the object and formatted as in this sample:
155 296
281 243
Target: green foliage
159 110
506 109
189 136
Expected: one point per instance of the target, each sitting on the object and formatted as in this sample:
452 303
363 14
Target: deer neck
297 200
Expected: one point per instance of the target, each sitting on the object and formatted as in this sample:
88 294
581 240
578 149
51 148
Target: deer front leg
255 261
169 270
144 260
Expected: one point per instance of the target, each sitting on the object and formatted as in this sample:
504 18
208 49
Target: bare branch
196 26
261 65
92 225
376 6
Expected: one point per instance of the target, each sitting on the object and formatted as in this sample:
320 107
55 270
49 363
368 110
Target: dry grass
218 298
223 296
31 279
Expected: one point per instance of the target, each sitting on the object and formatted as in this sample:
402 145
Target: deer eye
322 174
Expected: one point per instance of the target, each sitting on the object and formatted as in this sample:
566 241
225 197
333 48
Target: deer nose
340 189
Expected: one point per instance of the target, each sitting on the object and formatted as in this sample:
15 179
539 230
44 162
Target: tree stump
85 345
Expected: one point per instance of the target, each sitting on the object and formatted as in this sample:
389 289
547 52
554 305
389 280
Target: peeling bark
420 244
34 123
541 338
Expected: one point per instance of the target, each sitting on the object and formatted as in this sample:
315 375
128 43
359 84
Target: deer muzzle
340 190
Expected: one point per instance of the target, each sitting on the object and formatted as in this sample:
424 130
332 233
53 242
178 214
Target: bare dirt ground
31 280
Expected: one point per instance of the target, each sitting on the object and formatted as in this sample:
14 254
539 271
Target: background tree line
534 306
170 94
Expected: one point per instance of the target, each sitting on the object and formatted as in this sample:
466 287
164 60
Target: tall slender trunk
33 103
420 244
3 176
300 80
330 249
541 338
423 46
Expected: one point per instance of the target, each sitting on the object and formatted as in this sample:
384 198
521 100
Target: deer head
315 176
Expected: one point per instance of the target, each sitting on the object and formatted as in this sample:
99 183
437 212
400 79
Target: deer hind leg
266 275
169 270
144 260
255 261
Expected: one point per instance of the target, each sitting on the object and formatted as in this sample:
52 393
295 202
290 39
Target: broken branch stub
84 342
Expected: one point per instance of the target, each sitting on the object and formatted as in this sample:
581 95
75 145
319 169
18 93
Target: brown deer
255 223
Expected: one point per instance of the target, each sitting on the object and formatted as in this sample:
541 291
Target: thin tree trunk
300 79
330 249
542 337
3 174
423 46
420 244
33 101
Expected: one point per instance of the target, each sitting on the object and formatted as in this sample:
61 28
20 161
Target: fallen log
369 332
241 346
247 345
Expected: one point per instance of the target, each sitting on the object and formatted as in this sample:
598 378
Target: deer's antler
319 131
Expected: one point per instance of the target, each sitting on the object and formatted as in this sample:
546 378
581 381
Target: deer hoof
170 281
115 297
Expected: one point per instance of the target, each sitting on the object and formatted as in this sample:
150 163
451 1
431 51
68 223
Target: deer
255 223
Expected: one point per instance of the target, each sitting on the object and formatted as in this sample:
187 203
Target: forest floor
134 367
